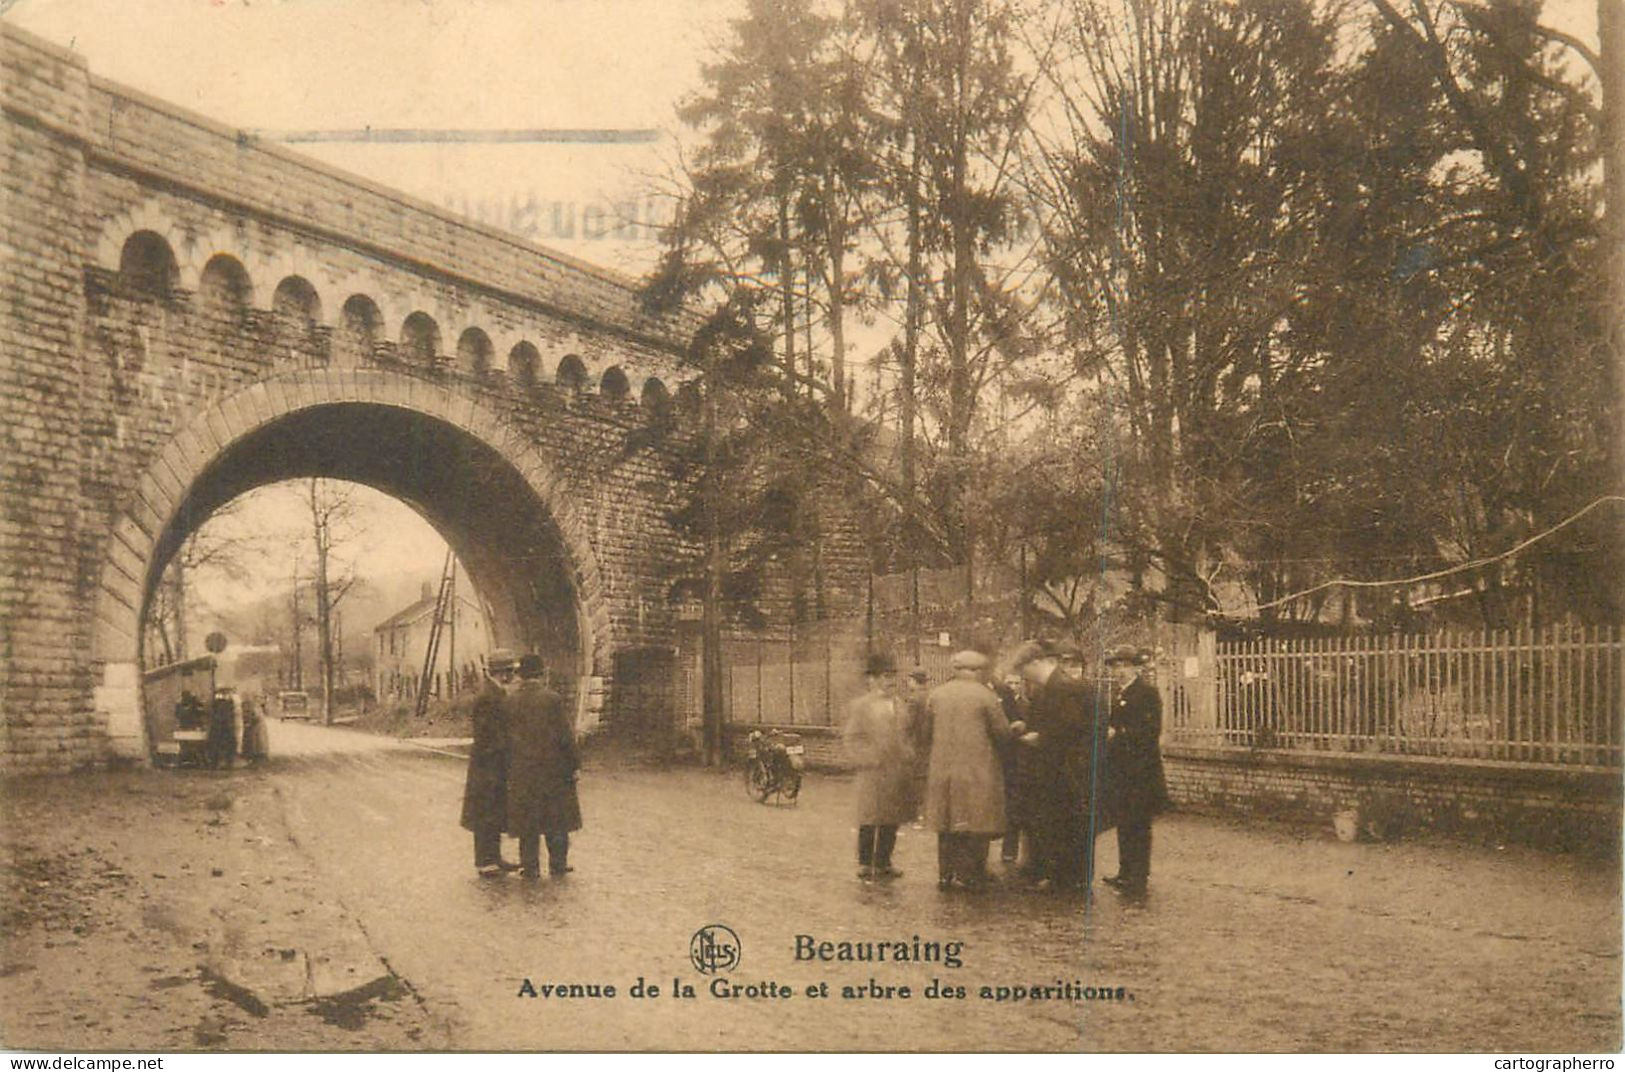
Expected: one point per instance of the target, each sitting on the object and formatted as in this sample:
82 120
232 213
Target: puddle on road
351 1009
168 982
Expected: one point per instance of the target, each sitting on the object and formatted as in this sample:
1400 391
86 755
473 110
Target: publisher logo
713 949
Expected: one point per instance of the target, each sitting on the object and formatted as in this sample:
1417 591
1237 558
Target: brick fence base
1550 808
823 744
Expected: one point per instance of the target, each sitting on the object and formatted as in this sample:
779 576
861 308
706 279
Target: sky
291 65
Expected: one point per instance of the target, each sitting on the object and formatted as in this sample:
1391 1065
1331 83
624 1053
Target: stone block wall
45 683
1548 808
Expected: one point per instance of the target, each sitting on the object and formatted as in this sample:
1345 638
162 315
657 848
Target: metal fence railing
1544 697
1547 697
803 680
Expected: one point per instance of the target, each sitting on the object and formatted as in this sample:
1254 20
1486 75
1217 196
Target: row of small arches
147 265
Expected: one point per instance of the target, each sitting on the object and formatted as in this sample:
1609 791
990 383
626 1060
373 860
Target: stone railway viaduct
191 314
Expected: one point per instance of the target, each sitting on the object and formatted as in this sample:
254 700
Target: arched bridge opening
490 497
502 532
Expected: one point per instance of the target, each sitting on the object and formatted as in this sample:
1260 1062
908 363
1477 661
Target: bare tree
212 548
332 516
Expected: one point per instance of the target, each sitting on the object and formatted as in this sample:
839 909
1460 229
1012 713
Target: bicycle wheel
757 780
790 787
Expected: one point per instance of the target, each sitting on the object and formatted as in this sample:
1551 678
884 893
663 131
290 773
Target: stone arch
149 525
420 339
571 374
297 302
304 265
474 351
147 264
146 216
360 330
202 246
370 284
614 385
224 284
524 364
654 395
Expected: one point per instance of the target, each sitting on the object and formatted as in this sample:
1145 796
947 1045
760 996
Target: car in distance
293 704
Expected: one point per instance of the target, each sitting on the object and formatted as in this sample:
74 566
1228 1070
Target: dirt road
329 902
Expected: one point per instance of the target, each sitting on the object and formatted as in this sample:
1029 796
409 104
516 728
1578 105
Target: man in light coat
542 764
878 742
964 793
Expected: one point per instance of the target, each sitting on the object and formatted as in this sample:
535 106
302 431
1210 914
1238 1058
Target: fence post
1207 679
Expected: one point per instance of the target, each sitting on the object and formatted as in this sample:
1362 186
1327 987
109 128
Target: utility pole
451 649
431 652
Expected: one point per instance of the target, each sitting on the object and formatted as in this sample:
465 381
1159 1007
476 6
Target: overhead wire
1463 567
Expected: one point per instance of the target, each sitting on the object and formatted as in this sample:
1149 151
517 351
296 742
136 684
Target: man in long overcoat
485 792
542 764
1065 727
1008 688
915 689
964 792
878 742
221 744
1138 787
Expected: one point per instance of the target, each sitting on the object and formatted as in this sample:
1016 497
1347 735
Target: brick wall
45 685
823 744
1548 808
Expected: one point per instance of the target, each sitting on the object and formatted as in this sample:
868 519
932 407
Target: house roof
417 611
407 615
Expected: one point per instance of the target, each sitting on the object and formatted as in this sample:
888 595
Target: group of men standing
1044 757
522 770
219 722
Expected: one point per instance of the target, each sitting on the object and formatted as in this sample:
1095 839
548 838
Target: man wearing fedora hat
1065 718
485 790
877 740
1138 788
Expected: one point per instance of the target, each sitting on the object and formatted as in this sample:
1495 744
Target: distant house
401 643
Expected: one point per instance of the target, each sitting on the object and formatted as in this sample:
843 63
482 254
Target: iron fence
1543 697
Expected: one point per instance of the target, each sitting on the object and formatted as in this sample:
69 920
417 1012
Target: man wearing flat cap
964 792
1065 719
1138 788
485 790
